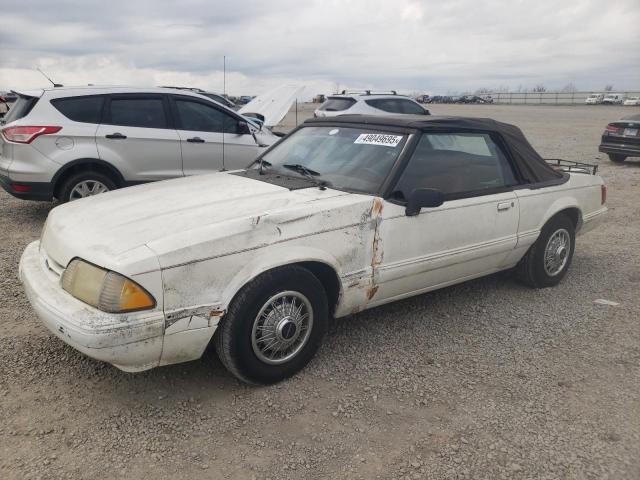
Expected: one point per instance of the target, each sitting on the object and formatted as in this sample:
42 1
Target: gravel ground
485 380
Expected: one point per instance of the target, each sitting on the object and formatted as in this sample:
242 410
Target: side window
385 104
456 163
138 112
337 104
80 109
407 106
204 118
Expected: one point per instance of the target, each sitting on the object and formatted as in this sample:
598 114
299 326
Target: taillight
21 134
603 194
20 188
612 129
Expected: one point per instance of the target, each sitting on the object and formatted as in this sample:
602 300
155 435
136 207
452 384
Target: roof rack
368 92
192 89
571 166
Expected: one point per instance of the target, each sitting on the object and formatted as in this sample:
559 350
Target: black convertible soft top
532 166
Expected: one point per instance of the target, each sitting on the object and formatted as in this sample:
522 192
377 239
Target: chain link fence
552 98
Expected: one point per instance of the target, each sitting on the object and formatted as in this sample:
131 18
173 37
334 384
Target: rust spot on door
371 292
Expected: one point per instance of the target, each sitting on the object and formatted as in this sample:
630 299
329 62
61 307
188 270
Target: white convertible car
342 215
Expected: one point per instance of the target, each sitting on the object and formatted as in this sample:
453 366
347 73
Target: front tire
548 259
85 184
617 158
274 326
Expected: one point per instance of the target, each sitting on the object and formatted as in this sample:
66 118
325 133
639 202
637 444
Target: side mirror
423 198
243 128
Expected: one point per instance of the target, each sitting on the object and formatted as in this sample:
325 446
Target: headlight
105 290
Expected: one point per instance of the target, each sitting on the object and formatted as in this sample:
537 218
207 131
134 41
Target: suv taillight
603 194
20 134
612 129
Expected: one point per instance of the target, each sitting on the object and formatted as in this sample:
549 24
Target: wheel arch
83 164
322 265
566 206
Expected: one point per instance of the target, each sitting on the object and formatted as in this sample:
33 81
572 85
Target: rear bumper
620 149
131 342
41 191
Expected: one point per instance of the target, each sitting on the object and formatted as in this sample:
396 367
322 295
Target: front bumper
132 342
42 191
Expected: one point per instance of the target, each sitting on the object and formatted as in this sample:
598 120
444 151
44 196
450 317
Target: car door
471 234
210 137
137 137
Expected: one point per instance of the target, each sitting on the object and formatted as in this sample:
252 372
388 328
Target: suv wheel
547 261
85 184
617 158
274 326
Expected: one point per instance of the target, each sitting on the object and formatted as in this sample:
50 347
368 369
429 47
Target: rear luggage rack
571 166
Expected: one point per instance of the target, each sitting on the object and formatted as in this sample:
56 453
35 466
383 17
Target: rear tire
270 310
85 184
617 158
548 259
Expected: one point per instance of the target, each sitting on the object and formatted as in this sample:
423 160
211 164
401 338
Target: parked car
344 214
369 103
9 97
423 99
613 99
70 143
4 107
594 99
621 139
471 99
632 101
244 99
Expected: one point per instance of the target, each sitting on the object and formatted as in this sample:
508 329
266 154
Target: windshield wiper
307 173
263 163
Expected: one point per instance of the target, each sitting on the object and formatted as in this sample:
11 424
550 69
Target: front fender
277 256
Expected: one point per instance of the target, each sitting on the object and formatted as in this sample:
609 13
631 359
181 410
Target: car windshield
351 159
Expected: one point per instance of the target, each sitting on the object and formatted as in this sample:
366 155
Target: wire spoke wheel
282 327
556 253
87 188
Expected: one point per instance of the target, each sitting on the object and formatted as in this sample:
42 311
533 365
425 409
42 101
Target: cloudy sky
410 45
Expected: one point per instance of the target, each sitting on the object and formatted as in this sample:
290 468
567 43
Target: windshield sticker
334 131
379 139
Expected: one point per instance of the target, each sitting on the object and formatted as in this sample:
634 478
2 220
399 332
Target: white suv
369 103
73 142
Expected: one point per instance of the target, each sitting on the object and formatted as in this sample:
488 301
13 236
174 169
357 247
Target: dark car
621 139
472 99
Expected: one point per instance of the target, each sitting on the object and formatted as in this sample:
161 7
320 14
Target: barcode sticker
379 139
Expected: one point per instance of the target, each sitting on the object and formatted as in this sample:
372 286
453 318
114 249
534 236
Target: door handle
116 136
195 140
505 206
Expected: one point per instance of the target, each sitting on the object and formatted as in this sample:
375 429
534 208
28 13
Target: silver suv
72 142
369 103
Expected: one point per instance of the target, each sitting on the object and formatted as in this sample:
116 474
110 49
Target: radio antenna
45 76
224 95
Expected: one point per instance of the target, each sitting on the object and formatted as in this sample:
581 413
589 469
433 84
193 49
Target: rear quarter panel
537 206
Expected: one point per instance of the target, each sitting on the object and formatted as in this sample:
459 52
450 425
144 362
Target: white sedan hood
172 217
